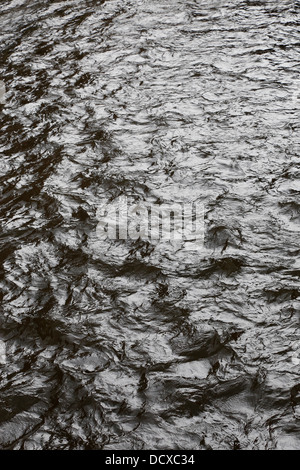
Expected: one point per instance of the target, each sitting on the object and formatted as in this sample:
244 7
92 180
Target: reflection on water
130 344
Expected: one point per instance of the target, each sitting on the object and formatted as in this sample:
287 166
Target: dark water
128 345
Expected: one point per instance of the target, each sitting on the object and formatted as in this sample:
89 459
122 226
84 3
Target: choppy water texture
135 345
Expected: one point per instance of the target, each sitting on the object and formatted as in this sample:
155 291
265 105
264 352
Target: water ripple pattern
130 344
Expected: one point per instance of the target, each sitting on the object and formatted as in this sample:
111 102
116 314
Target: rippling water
132 345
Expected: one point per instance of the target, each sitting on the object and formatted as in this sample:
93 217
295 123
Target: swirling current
131 344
